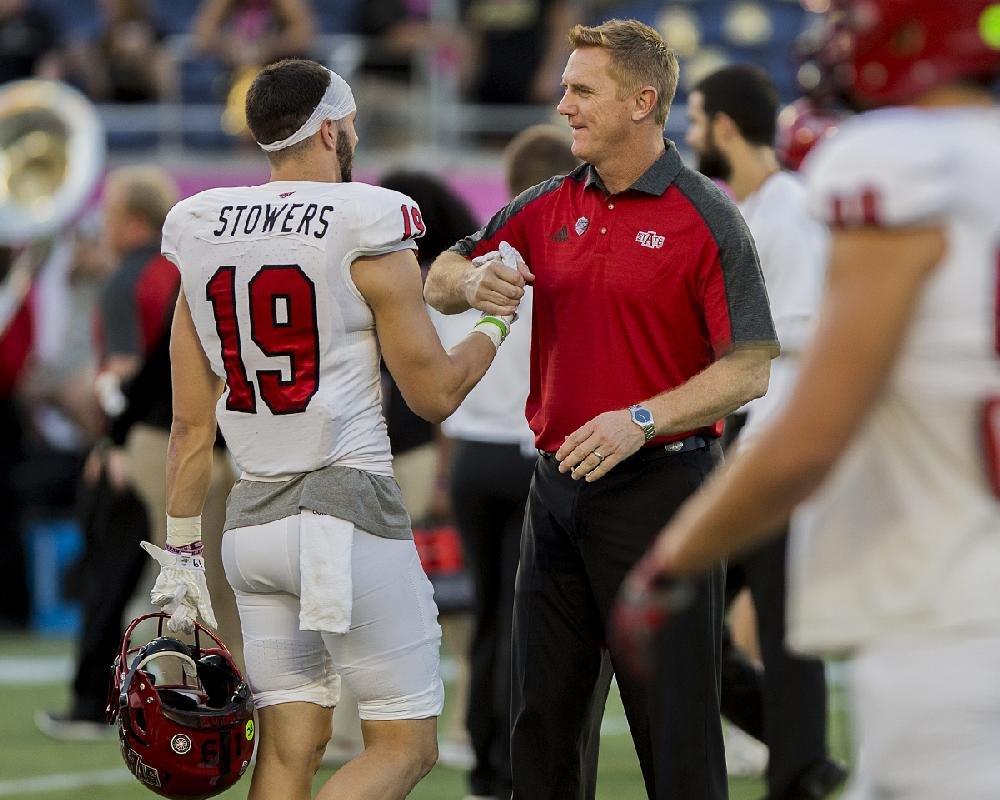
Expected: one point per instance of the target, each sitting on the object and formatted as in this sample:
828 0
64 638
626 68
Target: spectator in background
732 116
136 202
127 61
132 317
244 35
251 33
29 41
518 49
398 34
48 415
123 497
494 458
65 419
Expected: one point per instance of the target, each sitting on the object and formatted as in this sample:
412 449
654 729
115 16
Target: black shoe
817 781
62 726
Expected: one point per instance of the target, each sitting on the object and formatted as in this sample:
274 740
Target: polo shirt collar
654 180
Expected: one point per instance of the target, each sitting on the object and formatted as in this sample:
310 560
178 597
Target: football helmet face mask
184 712
886 52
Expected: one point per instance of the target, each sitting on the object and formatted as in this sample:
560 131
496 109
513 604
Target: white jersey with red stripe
904 535
266 271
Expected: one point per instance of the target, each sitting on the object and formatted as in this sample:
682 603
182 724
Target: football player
889 442
290 292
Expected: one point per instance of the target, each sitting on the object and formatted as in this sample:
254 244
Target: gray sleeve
737 309
120 318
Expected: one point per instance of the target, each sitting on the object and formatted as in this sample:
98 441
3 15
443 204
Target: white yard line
35 669
65 780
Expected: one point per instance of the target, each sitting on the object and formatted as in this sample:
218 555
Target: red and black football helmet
184 712
801 126
886 52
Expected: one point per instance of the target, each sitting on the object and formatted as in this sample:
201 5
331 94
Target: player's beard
345 156
711 162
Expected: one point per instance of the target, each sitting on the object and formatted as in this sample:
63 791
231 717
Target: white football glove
180 589
508 255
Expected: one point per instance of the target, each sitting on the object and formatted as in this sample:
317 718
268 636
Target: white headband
337 103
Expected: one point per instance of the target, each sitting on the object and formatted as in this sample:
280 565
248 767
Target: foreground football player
290 291
890 439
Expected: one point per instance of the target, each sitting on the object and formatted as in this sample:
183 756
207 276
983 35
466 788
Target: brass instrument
52 153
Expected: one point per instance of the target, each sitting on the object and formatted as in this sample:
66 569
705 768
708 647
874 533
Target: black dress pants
489 487
579 541
114 523
783 705
14 600
790 696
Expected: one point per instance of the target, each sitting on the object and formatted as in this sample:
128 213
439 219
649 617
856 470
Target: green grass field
33 767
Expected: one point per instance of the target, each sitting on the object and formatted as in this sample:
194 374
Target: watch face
642 416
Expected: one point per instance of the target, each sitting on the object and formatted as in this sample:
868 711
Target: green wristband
499 323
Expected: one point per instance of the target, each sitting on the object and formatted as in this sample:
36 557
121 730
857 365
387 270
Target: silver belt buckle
674 447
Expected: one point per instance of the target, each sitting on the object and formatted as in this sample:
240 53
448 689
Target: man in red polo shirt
650 324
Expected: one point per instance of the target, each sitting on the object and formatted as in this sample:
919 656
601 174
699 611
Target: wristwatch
643 417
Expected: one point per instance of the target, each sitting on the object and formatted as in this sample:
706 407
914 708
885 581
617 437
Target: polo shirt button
604 230
611 205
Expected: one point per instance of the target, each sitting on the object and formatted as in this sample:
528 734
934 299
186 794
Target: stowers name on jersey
274 219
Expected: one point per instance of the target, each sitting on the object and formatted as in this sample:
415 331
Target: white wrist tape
183 531
496 328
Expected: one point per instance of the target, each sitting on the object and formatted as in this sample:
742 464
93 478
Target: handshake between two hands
496 284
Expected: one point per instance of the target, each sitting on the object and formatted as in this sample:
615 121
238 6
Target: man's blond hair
639 57
147 192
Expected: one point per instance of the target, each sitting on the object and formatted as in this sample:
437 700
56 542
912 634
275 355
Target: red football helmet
801 126
885 52
184 712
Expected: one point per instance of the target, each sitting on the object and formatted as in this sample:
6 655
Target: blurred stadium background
412 65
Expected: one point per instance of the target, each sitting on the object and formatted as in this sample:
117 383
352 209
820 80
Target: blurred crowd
484 52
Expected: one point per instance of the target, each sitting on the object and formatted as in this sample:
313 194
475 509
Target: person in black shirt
29 42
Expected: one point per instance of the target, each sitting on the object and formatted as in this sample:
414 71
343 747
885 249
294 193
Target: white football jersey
793 247
266 271
904 535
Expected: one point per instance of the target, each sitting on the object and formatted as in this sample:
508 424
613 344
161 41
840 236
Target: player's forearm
189 467
447 386
444 288
713 393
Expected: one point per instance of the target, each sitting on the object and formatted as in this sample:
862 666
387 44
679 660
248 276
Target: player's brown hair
147 192
639 57
536 154
281 98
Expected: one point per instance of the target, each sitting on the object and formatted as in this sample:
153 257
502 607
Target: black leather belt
695 442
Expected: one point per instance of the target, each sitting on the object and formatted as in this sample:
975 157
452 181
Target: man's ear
328 134
645 103
723 127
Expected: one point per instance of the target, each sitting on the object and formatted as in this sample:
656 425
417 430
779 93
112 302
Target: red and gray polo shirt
136 304
634 294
